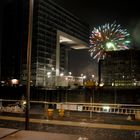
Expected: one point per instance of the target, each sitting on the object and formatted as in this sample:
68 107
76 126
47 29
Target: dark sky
99 12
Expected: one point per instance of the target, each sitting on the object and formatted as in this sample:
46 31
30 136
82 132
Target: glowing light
70 73
61 74
84 77
101 84
24 103
110 46
92 76
106 108
14 81
52 68
108 37
48 74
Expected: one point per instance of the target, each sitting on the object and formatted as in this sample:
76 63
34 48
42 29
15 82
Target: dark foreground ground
88 132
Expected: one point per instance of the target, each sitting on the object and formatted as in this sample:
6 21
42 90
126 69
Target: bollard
137 115
61 112
50 113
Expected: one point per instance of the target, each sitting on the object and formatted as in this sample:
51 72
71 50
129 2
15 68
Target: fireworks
109 37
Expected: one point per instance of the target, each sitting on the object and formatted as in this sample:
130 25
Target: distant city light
24 102
135 83
84 77
66 78
14 81
48 73
2 82
70 73
61 74
113 84
52 68
106 108
101 84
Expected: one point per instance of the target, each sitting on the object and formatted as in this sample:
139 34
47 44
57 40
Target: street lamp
93 76
52 68
14 81
29 46
61 74
49 74
70 73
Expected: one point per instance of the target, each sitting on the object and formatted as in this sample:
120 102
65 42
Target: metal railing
73 106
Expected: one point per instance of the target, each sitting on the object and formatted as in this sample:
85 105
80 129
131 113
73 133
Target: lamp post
99 72
29 46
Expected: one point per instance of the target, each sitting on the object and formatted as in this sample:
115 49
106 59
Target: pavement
65 129
15 134
73 126
73 123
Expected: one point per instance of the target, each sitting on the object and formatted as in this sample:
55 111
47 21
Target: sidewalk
65 130
74 123
14 134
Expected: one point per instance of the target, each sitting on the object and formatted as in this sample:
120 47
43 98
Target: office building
55 32
121 68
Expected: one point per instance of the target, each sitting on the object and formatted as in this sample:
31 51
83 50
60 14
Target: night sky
99 12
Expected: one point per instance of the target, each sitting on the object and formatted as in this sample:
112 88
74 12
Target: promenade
51 129
74 123
15 134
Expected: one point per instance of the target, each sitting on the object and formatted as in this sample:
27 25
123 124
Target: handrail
76 103
91 107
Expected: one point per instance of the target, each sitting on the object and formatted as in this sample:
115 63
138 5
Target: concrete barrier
137 115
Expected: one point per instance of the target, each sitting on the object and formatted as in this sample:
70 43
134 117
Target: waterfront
129 95
94 126
92 131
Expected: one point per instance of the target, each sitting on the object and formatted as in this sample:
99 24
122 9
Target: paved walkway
72 123
14 134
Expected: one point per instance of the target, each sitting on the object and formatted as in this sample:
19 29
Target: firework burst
109 37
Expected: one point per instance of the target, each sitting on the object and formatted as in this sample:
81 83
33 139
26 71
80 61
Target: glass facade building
121 68
55 32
